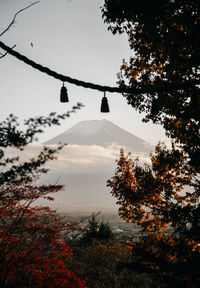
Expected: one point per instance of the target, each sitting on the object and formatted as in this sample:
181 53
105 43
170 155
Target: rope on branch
165 87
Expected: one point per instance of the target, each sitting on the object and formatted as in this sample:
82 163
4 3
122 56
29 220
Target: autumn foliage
163 199
32 252
164 39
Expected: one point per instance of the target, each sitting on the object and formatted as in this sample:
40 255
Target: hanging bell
63 94
104 104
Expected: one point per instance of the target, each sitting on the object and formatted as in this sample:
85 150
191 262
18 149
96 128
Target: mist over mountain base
84 169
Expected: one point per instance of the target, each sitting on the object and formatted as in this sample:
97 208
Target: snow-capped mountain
88 162
101 133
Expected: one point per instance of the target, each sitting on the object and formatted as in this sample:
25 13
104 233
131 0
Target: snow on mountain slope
88 162
101 133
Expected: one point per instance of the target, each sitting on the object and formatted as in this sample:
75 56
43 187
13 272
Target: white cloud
84 171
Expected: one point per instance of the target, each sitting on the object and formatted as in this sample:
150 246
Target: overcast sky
71 38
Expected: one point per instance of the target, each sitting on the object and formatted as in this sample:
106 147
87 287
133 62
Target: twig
15 16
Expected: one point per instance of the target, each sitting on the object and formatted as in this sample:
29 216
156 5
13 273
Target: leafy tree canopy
165 48
97 230
32 253
164 201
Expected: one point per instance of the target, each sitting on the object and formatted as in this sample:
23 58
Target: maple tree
32 252
163 199
164 37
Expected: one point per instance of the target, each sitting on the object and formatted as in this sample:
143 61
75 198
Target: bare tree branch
15 16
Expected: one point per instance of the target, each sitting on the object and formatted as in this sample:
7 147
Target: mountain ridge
101 133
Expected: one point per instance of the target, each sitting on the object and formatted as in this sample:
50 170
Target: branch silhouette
15 16
2 55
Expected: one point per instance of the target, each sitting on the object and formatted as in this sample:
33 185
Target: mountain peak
90 126
101 133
